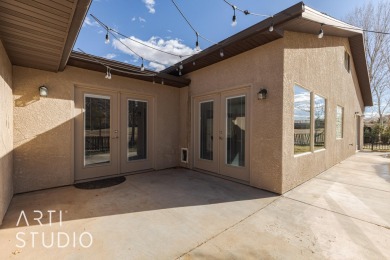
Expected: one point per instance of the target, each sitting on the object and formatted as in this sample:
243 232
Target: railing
376 146
97 143
304 139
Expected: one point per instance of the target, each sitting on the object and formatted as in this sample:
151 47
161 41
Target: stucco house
279 107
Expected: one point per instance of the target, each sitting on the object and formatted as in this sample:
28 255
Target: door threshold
222 176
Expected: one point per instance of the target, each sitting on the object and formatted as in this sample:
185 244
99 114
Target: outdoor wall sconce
43 91
262 94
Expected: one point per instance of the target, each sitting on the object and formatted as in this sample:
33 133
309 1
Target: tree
376 18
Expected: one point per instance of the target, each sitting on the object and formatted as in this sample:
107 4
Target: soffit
41 33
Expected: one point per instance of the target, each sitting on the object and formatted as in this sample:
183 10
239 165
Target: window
319 122
339 122
302 120
347 61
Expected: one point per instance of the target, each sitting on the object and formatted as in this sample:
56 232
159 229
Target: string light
221 53
271 28
142 65
107 41
108 74
181 65
162 81
180 73
321 32
246 12
111 31
193 63
193 28
234 19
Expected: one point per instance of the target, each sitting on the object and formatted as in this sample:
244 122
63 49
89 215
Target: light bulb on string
181 65
321 33
221 53
271 28
142 65
234 19
107 41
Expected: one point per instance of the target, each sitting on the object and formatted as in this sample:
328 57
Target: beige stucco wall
43 127
257 68
6 132
318 65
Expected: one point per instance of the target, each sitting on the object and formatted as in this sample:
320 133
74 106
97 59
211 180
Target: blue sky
157 23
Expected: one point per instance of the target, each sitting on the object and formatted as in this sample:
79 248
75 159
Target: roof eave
79 14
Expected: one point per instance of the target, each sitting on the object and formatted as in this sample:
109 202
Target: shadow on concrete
156 190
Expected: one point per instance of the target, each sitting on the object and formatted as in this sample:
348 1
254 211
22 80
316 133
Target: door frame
119 93
248 88
97 171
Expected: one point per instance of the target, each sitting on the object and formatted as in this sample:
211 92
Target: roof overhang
297 18
41 34
90 62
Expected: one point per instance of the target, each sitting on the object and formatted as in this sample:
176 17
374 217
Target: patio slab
341 214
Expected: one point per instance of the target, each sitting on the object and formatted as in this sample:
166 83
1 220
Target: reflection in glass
302 111
319 122
235 131
206 130
97 130
339 122
136 130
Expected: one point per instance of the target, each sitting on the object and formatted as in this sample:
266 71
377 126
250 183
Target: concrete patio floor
343 213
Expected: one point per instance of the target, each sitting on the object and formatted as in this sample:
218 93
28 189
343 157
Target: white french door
222 133
113 133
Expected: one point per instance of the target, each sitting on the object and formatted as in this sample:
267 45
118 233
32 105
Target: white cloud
89 22
169 31
156 66
110 56
133 19
174 46
142 20
150 5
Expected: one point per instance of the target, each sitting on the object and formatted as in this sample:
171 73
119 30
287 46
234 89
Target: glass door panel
136 133
234 135
235 131
96 130
96 133
206 130
136 130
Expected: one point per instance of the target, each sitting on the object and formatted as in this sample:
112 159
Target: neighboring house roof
90 62
41 34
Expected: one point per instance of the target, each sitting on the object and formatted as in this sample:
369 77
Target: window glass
302 122
339 122
206 130
319 122
136 130
347 61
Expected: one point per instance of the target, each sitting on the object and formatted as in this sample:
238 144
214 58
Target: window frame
311 121
347 61
325 121
342 122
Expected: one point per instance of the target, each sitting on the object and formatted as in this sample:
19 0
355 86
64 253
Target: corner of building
6 132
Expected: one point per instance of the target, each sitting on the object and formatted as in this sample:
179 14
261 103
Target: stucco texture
6 132
318 66
44 127
259 68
